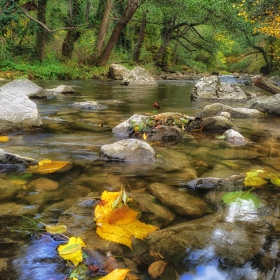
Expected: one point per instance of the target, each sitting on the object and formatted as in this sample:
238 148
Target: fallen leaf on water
119 225
72 251
116 274
56 229
47 166
4 138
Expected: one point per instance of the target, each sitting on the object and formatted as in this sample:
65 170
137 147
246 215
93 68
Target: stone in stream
180 202
132 150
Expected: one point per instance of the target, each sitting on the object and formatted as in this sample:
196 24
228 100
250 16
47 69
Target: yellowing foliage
4 138
47 166
56 229
119 225
72 251
116 274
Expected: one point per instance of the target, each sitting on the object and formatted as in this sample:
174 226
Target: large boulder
25 87
270 105
212 88
218 109
216 123
117 71
138 77
17 111
132 150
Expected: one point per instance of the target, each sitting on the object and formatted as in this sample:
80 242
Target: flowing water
78 135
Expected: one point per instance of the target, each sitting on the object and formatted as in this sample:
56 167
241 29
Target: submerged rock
154 212
128 150
138 77
217 109
216 123
182 203
91 105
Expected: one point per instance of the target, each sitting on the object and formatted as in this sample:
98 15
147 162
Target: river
79 137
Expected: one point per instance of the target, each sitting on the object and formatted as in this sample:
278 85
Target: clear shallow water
78 139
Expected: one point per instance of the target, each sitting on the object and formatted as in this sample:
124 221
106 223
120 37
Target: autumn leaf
116 274
72 251
119 225
56 229
4 138
47 166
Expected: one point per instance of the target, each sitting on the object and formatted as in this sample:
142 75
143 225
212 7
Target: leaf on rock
47 166
119 225
72 251
4 138
116 274
238 197
56 229
156 268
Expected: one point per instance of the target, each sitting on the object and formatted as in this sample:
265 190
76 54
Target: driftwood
265 84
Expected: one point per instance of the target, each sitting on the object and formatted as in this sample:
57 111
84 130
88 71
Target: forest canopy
70 38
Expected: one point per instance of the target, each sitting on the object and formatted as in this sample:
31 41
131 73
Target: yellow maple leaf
47 166
72 251
116 274
119 225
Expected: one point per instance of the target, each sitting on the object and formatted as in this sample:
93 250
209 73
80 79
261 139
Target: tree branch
45 27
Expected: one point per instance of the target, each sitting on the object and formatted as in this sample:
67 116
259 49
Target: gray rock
231 242
212 88
270 105
10 158
25 87
124 129
8 190
91 105
117 71
63 89
216 123
219 109
138 77
234 138
17 111
182 203
132 150
153 212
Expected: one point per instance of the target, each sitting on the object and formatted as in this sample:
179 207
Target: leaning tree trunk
41 33
141 37
103 27
132 6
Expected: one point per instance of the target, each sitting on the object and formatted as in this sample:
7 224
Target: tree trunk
72 35
141 37
265 84
167 33
103 27
132 6
41 33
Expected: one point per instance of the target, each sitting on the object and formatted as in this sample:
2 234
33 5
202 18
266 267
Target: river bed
79 135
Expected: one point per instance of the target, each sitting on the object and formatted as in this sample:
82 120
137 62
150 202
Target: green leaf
239 196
